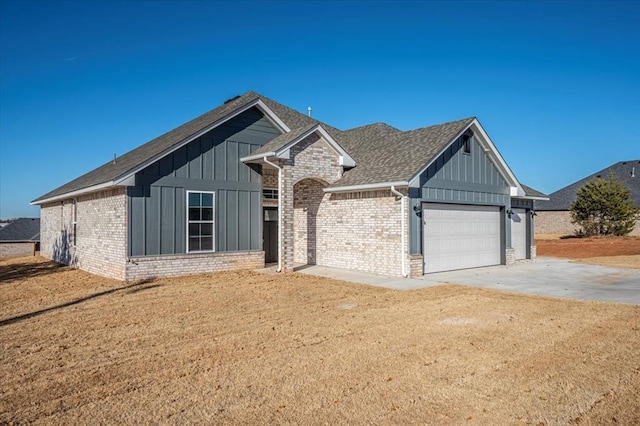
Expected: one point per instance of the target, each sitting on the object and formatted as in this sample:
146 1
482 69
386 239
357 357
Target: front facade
254 182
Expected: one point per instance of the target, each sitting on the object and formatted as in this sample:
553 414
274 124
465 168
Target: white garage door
458 237
519 232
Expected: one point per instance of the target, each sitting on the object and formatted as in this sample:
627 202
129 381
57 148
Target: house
553 215
253 181
20 237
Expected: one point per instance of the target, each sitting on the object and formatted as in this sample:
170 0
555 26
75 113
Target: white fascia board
256 103
254 157
367 187
94 188
531 197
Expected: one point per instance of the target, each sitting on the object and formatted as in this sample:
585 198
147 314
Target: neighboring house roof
21 230
381 154
627 172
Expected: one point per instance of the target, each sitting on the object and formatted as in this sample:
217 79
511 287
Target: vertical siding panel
193 156
243 172
207 158
244 218
232 220
180 162
255 232
166 165
168 221
220 165
221 220
136 221
232 160
152 222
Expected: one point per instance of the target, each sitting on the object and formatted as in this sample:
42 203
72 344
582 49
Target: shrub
603 207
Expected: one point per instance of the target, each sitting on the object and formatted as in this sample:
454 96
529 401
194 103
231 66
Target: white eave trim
367 187
532 197
254 157
66 195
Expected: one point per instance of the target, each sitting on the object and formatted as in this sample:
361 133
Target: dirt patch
582 248
249 348
628 262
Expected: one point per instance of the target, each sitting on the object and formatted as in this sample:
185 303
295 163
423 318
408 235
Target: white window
200 221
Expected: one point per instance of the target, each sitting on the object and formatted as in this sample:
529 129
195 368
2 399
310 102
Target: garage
519 232
460 236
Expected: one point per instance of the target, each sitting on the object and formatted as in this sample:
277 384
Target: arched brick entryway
307 197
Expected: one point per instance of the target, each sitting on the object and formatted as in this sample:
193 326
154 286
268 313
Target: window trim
212 221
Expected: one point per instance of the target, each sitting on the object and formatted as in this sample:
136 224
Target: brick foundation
188 264
510 256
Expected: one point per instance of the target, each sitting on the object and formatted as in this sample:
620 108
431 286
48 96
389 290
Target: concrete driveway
544 276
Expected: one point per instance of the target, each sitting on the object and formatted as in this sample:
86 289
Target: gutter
280 194
402 236
366 187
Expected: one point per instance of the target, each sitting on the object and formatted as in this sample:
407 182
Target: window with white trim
200 221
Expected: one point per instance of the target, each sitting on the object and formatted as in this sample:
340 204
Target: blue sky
555 84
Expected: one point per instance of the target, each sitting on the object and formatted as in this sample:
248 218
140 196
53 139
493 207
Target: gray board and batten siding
457 177
157 202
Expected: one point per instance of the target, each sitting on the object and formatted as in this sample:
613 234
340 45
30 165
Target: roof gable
280 146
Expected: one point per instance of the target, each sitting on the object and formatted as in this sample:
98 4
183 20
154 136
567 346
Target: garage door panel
458 236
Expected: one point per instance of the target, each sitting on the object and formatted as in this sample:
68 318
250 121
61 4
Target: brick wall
361 231
187 264
308 195
16 249
559 222
101 233
510 256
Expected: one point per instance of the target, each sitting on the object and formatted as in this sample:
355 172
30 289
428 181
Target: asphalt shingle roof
627 172
23 229
389 155
382 153
532 192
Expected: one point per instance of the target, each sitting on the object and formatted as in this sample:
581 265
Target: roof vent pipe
309 110
633 171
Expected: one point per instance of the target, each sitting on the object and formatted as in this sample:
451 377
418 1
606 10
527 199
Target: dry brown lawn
250 348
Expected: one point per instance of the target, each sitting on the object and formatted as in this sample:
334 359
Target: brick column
287 217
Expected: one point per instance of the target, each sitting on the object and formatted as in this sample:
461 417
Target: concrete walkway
544 276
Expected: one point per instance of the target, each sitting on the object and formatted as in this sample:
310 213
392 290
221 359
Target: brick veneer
311 158
188 264
361 231
16 249
559 222
101 233
510 256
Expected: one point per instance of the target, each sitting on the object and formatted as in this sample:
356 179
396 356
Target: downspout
280 194
402 237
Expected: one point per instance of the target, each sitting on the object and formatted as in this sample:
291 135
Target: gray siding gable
157 209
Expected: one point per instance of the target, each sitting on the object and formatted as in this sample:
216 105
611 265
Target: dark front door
270 234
